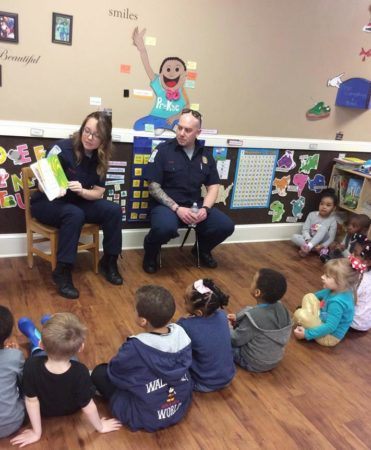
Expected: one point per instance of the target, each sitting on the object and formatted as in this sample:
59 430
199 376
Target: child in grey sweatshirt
260 333
11 362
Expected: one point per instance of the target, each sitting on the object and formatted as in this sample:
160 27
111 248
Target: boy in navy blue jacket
147 383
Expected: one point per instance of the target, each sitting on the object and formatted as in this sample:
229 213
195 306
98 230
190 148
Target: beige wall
261 63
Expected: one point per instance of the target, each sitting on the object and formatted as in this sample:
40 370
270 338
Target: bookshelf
353 189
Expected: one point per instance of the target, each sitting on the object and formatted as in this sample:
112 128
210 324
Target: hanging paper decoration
286 162
319 111
277 210
335 81
308 163
367 28
300 180
365 53
317 184
281 185
297 207
168 86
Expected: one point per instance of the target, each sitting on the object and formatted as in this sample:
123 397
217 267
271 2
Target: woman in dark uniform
84 158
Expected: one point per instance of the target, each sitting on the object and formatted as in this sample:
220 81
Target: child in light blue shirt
326 315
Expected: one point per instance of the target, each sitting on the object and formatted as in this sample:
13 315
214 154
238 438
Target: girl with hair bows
207 326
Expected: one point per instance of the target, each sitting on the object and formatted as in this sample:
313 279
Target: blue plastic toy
28 328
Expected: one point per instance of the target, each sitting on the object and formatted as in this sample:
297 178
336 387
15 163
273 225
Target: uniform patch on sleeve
153 156
204 159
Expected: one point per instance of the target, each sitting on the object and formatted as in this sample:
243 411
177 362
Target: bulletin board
299 176
16 152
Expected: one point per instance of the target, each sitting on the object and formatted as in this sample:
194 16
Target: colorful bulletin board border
138 207
253 180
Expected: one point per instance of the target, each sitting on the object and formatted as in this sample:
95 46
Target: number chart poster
253 178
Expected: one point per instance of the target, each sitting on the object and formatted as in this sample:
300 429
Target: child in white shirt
319 229
362 313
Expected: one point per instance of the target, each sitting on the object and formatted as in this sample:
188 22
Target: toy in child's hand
28 328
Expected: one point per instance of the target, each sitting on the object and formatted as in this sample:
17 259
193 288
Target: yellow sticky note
145 183
144 205
145 194
134 216
138 159
191 65
138 172
136 194
150 40
136 183
195 106
135 205
146 159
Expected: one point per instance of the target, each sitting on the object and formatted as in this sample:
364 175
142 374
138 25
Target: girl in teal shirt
326 315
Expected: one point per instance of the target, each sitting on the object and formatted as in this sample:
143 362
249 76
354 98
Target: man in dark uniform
176 171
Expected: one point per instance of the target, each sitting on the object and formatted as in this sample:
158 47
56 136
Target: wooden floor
317 398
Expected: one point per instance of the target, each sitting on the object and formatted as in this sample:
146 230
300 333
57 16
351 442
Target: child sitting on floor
212 359
362 313
326 315
357 224
148 383
319 229
53 383
11 364
260 333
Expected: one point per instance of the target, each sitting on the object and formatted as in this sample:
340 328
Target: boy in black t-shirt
55 385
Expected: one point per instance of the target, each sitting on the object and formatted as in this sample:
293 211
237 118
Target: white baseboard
12 245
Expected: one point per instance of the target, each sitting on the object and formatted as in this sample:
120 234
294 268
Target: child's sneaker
304 250
28 328
324 254
45 318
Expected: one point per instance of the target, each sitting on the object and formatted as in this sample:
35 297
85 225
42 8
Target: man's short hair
155 304
272 285
6 324
62 335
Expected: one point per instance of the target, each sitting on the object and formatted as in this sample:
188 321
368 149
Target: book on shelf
340 184
50 175
353 193
349 162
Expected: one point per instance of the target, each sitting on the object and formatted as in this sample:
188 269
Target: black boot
108 268
62 277
206 258
150 257
150 263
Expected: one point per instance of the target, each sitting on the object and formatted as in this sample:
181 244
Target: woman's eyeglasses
89 133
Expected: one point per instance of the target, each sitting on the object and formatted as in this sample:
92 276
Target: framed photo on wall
8 27
62 29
